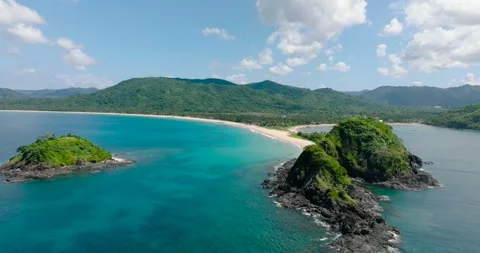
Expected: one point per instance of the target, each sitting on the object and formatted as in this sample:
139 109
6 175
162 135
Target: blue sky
313 43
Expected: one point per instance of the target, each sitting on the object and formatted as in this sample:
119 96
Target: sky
345 45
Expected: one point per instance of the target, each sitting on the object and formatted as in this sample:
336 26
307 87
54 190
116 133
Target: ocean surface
195 188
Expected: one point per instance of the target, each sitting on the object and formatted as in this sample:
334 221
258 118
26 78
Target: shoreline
274 134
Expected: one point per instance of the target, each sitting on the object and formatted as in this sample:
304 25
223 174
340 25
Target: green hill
48 93
264 103
466 118
366 148
357 148
51 151
454 97
11 94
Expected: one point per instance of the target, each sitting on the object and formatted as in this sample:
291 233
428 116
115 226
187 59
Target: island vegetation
264 103
327 181
466 118
50 155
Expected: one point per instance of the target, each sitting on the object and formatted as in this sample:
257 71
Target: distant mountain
48 93
466 118
8 93
264 103
455 97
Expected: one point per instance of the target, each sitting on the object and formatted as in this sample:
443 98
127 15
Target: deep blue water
195 188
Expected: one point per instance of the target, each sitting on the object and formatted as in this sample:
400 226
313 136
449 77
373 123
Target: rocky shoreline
362 227
14 174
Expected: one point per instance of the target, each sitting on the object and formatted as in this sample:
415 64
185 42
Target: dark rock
39 171
414 182
362 227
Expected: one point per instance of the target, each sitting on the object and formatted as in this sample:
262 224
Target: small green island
329 181
50 156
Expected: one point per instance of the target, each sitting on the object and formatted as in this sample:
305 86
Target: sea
195 187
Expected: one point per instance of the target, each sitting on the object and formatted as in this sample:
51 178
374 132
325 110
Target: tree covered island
328 178
49 156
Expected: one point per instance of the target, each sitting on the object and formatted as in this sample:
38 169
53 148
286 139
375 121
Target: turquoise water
445 219
195 188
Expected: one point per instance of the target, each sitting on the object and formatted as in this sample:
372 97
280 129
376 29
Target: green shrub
52 151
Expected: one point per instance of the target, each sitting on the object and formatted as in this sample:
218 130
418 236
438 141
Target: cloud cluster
446 34
471 79
264 58
305 26
281 69
395 70
394 28
381 50
338 67
18 21
75 56
221 33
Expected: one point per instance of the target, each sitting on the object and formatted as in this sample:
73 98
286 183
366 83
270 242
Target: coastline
279 135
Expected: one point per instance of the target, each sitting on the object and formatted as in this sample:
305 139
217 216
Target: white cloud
434 13
341 67
250 64
471 79
221 33
383 71
381 50
66 43
446 34
27 34
294 62
394 28
266 57
12 13
323 67
394 59
396 70
304 26
417 83
331 51
75 56
237 78
441 48
331 58
78 59
281 69
83 81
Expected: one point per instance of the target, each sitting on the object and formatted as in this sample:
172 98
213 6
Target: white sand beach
270 133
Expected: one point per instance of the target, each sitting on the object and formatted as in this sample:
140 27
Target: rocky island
327 181
50 156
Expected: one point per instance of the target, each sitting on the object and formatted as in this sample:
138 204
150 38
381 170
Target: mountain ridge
264 103
453 97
